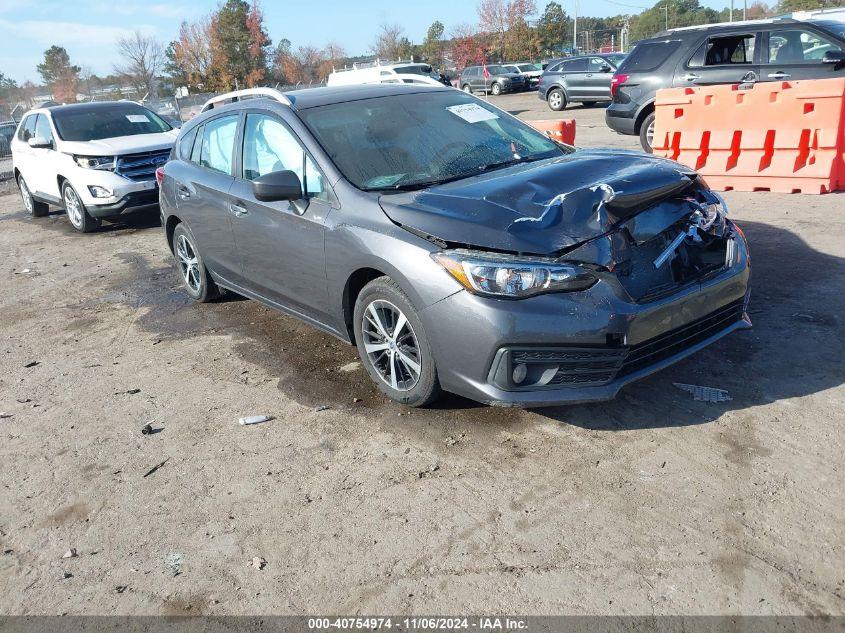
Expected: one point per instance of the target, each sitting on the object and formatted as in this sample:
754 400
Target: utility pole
575 29
744 9
666 10
732 11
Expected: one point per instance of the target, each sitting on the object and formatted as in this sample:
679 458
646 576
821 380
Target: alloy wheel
391 345
649 134
188 263
555 100
73 206
28 203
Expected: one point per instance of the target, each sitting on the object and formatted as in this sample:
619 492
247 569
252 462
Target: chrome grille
142 166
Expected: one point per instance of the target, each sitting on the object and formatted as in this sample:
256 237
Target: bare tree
499 16
143 59
388 42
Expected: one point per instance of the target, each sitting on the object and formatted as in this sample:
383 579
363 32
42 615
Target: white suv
96 160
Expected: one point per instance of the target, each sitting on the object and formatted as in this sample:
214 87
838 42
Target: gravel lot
650 504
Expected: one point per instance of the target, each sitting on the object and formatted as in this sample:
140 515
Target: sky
88 29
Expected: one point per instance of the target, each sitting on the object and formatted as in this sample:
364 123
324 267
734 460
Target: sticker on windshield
137 118
472 112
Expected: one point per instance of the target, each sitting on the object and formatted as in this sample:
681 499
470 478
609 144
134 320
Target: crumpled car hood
544 207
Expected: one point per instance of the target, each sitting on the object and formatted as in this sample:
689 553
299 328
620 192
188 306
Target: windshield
413 140
837 28
497 70
615 58
527 68
98 121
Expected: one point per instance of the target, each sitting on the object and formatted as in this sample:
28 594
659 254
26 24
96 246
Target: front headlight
498 275
95 162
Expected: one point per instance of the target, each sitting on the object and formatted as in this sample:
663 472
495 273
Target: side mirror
276 186
39 142
834 57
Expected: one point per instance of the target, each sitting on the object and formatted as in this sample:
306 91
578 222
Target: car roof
727 26
315 97
88 106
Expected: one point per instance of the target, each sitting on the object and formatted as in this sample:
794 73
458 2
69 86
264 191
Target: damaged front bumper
582 346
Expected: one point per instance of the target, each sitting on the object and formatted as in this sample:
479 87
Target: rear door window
218 143
187 144
27 130
648 56
725 50
574 66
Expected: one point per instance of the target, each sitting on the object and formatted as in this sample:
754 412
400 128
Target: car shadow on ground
794 350
57 220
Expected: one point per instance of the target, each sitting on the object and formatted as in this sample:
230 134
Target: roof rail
737 23
237 95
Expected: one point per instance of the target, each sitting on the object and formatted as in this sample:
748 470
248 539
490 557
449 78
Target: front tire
647 134
496 89
556 99
195 276
78 215
467 88
35 208
393 345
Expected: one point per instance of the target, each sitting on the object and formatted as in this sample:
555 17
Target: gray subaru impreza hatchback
455 246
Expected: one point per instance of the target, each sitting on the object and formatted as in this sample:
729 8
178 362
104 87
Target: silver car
455 246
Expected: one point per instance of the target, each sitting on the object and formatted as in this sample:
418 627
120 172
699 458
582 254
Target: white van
378 72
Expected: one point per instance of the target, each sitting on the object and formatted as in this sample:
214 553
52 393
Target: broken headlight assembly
105 163
510 276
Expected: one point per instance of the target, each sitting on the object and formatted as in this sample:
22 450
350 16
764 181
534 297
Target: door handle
237 210
183 192
779 75
691 77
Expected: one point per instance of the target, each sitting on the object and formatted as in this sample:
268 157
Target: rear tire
556 99
78 215
35 208
393 345
647 134
192 271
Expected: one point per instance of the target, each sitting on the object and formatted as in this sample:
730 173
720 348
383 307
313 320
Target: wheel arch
351 289
169 228
646 109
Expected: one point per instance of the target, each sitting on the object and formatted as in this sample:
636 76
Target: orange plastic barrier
562 130
779 136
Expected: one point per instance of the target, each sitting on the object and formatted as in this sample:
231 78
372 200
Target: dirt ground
651 504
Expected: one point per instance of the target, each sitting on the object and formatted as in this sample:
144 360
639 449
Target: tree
499 16
467 47
239 44
388 42
521 41
59 74
788 6
143 59
554 29
193 54
432 46
677 12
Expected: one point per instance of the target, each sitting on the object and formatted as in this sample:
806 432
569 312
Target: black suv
499 80
742 52
585 79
